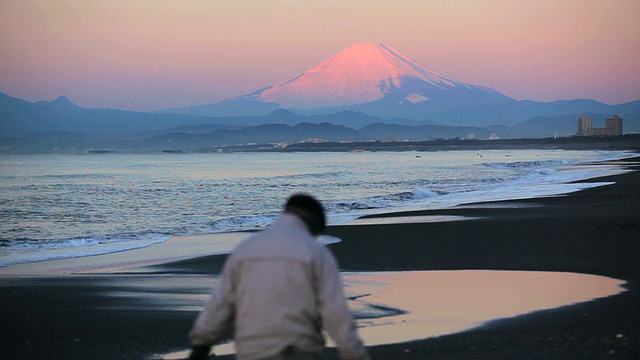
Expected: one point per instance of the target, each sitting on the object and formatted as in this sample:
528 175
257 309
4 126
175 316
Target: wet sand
594 231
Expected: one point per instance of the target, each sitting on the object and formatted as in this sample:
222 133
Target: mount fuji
372 78
367 83
363 73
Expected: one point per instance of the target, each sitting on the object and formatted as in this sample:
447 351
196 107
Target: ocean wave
526 164
415 194
72 248
606 155
42 213
57 244
310 175
382 201
70 176
351 205
241 223
423 193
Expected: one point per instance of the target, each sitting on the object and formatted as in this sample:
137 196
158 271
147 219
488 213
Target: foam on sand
174 249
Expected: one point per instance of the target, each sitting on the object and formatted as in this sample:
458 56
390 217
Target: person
278 289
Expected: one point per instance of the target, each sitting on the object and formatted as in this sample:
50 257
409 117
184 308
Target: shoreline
592 231
554 173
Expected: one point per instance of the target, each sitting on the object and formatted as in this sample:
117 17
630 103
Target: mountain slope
363 76
362 73
380 81
19 118
268 133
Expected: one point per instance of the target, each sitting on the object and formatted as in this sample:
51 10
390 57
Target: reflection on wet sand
408 219
444 302
395 307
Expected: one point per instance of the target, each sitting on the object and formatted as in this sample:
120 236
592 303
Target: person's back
279 288
275 289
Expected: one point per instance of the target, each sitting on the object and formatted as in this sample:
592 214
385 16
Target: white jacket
279 288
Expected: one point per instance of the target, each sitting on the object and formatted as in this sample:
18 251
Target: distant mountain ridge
262 134
380 81
365 84
19 117
62 102
262 138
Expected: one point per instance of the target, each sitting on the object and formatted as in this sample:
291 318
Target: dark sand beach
593 231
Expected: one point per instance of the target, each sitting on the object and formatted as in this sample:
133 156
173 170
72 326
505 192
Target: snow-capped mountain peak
361 73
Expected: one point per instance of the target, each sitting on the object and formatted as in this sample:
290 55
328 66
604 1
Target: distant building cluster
313 141
613 127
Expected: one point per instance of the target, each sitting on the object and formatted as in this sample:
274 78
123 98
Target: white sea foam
241 223
26 253
423 193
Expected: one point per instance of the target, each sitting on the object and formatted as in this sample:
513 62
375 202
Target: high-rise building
585 124
614 125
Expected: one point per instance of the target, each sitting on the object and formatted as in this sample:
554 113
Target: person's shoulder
246 243
322 252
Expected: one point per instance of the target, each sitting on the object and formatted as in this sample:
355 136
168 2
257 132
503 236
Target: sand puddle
395 307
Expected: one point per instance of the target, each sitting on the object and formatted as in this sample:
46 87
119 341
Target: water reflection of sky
395 307
443 302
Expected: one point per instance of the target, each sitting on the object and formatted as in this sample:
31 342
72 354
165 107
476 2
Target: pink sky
156 54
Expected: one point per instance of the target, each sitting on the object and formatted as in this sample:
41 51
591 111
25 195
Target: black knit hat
309 210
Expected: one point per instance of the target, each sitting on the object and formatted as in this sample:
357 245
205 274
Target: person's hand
199 352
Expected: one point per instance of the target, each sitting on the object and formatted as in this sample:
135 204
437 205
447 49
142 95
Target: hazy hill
514 113
208 136
268 133
380 131
60 124
19 117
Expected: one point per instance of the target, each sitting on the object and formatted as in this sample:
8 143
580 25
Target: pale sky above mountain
156 54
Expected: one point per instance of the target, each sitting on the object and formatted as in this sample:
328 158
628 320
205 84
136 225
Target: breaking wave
527 164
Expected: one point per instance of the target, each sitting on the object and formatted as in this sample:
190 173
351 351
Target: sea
59 206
